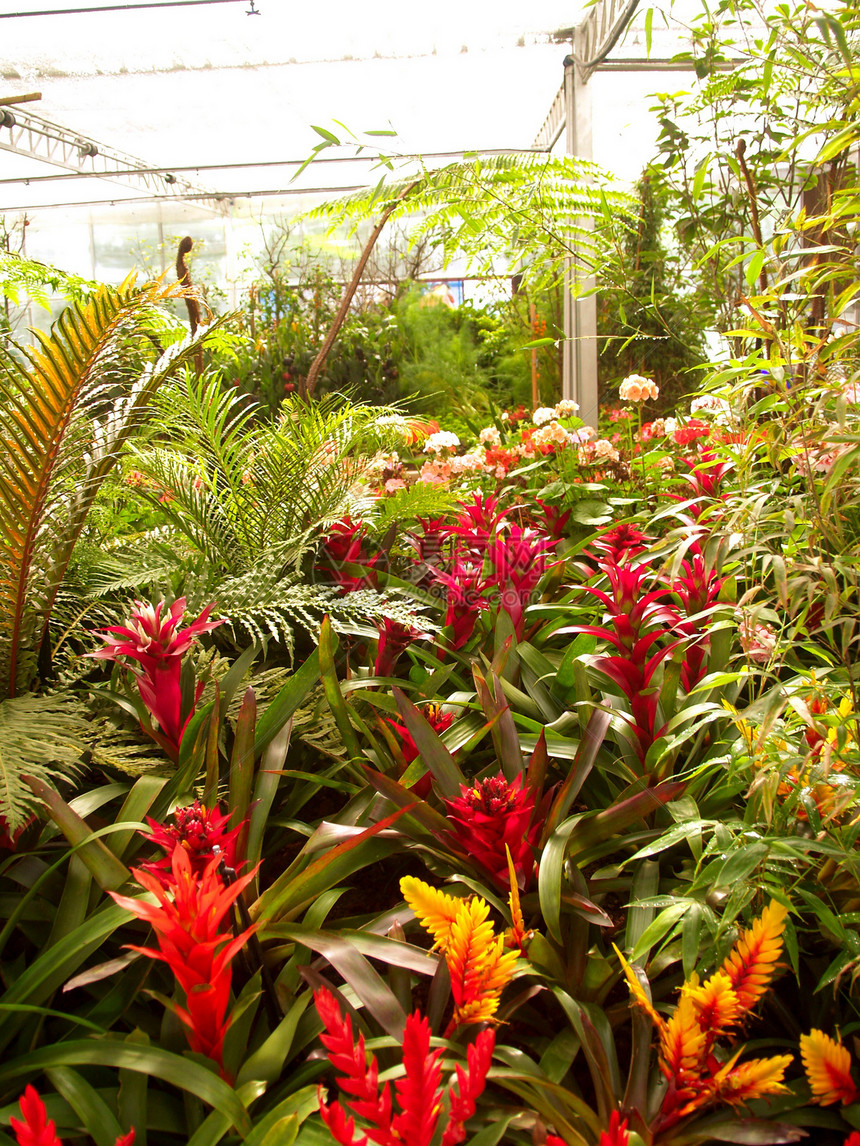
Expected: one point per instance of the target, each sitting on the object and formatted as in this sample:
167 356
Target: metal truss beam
26 134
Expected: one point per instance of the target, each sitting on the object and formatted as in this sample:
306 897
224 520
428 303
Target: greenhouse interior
429 573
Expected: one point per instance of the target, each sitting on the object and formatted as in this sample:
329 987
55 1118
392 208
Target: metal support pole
579 380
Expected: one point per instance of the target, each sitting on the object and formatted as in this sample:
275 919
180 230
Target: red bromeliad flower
466 597
345 545
551 520
36 1130
200 831
620 543
478 522
616 1134
418 1094
194 943
698 590
394 639
517 561
155 642
494 814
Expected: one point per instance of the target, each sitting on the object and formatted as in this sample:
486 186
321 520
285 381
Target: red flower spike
156 643
194 943
517 561
616 1134
470 1087
200 831
419 1096
394 639
345 545
36 1130
418 1092
853 1138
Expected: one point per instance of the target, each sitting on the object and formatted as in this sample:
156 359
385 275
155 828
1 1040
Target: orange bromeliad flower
479 967
828 1069
751 965
688 1060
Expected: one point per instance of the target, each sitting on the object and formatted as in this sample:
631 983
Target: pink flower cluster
636 388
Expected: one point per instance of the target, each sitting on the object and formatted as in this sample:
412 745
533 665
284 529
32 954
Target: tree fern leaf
40 736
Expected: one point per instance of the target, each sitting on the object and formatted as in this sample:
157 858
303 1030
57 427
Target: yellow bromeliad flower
436 910
751 965
638 992
737 1085
687 1057
828 1069
683 1045
479 967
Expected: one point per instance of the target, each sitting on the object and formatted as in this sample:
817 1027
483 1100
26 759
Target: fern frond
41 736
408 505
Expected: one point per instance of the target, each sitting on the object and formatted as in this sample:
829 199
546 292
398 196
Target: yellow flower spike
828 1069
737 1085
478 965
518 935
717 1006
638 992
683 1045
435 910
750 966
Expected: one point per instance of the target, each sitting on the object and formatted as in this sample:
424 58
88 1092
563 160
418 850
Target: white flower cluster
468 463
490 436
543 415
566 408
439 442
396 422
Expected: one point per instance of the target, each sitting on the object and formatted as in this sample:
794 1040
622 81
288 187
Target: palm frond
67 405
41 736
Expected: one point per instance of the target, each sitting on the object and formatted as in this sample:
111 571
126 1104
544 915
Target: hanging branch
308 385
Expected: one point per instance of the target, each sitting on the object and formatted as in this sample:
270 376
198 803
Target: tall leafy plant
68 405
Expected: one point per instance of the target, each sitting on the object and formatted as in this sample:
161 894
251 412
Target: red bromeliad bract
194 942
36 1130
492 814
155 642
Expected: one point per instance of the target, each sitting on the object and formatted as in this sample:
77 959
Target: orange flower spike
435 910
478 966
828 1069
751 964
737 1085
716 1005
638 993
683 1045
